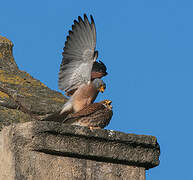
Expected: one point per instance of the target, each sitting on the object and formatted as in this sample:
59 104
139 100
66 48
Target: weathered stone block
49 150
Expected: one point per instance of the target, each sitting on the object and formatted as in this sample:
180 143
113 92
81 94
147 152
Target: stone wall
42 150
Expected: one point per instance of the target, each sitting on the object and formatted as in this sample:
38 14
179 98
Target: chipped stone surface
32 94
50 150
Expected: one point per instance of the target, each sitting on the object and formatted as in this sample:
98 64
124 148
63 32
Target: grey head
99 85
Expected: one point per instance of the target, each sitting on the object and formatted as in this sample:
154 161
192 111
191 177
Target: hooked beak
102 89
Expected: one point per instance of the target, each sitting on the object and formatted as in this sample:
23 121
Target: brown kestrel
78 76
94 116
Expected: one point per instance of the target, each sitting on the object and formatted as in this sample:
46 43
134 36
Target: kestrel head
107 103
99 85
98 70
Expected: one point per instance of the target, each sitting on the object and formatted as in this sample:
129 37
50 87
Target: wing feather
92 108
87 111
78 55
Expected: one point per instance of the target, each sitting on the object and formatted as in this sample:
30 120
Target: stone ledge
79 142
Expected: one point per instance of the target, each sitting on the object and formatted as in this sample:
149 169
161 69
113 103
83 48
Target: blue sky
147 46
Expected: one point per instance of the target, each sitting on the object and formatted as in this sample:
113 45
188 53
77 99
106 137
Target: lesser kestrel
76 76
94 116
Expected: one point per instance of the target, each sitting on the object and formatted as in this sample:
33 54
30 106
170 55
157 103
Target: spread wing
95 115
79 55
88 110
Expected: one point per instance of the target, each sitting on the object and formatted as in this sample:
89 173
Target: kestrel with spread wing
79 76
94 116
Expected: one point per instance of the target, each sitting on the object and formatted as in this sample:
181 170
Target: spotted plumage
96 115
